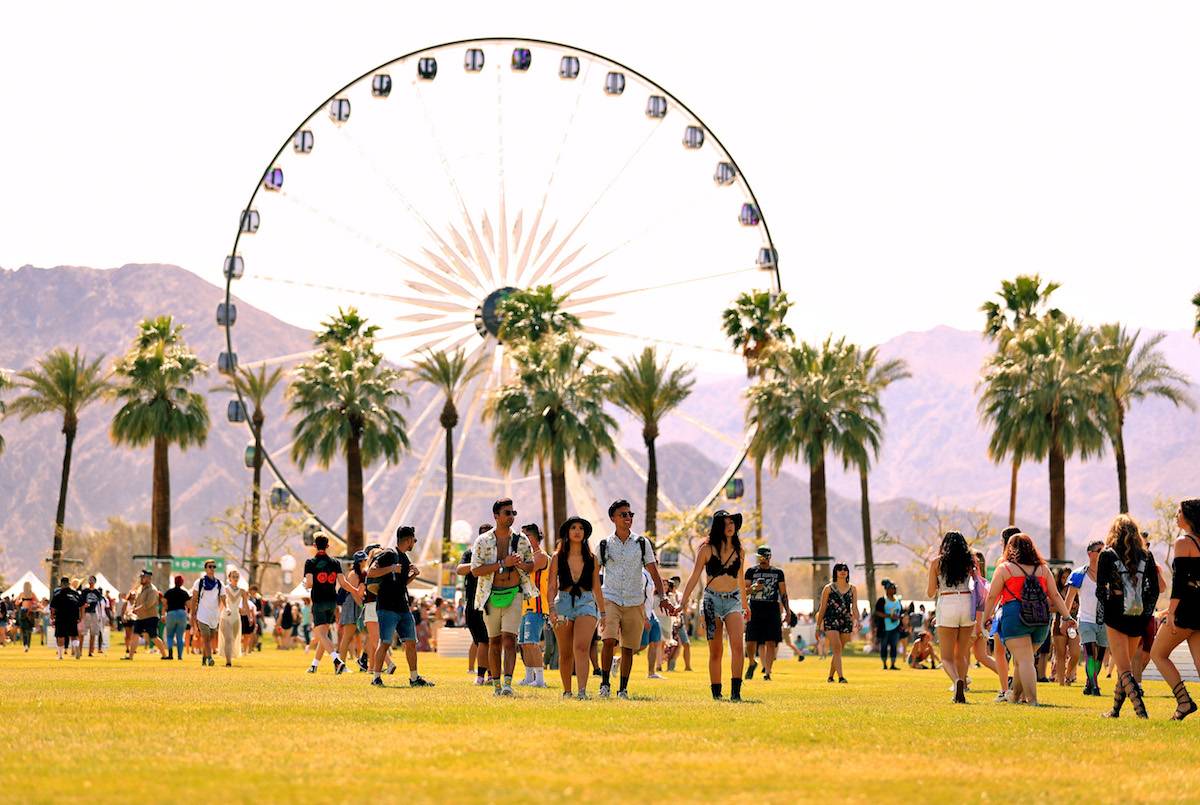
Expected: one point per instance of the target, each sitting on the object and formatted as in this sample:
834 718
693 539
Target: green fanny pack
503 598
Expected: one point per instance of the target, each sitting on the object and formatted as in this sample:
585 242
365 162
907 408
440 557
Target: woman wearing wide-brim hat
725 605
575 583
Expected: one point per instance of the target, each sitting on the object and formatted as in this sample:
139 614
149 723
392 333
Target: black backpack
641 541
1034 603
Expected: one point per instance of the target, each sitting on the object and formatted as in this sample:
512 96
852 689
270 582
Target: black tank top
569 584
715 567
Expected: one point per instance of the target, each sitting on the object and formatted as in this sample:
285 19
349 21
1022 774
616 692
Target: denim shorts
652 633
1011 626
1093 633
716 606
396 624
584 605
531 629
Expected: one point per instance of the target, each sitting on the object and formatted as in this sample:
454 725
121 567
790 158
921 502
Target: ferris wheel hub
487 317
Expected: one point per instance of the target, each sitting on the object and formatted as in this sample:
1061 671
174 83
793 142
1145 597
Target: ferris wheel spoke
379 174
294 356
633 291
651 340
335 288
627 457
477 246
596 202
708 429
568 130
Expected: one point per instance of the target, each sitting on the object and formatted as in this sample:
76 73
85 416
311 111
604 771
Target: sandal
1184 705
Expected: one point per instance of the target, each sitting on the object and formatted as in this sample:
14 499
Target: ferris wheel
426 189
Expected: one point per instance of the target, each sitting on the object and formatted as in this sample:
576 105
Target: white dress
229 633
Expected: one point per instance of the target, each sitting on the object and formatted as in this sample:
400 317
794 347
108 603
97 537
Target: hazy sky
907 156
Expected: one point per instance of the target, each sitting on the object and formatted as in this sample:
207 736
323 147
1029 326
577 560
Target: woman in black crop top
725 601
575 582
1183 613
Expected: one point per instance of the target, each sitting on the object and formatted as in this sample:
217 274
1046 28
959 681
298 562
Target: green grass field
264 731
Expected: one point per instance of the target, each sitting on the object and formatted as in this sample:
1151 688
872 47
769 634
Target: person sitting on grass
923 651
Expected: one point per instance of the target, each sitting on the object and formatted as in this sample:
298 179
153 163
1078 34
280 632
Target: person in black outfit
768 609
176 617
66 611
322 575
477 655
1126 589
1183 612
394 571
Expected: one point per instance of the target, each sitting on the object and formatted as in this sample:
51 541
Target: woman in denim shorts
725 607
576 608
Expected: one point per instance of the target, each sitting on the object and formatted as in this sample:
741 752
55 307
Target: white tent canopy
107 586
39 589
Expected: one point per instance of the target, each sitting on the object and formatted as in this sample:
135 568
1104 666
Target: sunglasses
625 514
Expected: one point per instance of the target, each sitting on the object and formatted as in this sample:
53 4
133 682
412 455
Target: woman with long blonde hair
1127 587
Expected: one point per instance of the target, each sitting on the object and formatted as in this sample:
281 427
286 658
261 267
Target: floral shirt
484 553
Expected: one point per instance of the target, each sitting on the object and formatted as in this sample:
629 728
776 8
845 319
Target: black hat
737 517
565 528
147 571
889 583
763 550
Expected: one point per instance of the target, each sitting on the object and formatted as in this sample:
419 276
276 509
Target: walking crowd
591 612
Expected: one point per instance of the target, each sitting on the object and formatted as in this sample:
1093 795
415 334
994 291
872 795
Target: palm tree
158 408
554 409
814 401
1042 389
528 315
1021 300
448 372
755 324
1133 373
61 383
254 386
343 396
5 384
877 375
1196 305
649 390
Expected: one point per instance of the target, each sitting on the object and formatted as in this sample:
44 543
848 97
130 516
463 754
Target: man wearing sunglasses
502 561
622 557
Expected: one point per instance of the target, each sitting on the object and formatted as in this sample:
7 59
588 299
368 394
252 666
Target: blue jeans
888 644
531 629
176 623
399 625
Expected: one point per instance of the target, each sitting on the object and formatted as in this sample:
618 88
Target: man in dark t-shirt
322 575
394 571
477 655
768 609
66 611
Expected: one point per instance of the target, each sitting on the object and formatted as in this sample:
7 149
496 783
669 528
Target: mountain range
934 453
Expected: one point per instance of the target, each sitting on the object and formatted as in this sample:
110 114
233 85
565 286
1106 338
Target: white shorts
369 614
955 610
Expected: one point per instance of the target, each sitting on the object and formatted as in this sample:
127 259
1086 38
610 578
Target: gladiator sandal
1134 694
1118 700
1184 706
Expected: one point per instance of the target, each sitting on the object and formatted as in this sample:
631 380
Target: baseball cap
763 550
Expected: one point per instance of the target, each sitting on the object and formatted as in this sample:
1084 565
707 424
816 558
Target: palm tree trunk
758 500
1012 493
160 509
256 499
868 547
60 514
550 535
448 508
1058 501
354 493
558 488
1122 478
651 489
820 525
